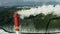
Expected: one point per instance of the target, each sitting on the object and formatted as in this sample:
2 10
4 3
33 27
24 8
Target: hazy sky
5 2
39 0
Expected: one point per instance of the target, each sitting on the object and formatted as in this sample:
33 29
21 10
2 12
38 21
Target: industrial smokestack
16 23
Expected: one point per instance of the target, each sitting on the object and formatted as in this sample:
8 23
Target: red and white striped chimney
16 22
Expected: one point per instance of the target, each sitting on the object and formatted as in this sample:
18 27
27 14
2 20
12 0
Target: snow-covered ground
3 32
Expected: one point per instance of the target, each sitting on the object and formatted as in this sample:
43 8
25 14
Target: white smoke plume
41 9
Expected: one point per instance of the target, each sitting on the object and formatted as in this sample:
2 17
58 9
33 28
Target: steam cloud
41 9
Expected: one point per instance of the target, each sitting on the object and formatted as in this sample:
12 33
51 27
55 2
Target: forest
40 21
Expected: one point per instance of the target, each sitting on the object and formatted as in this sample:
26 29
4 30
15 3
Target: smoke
45 9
